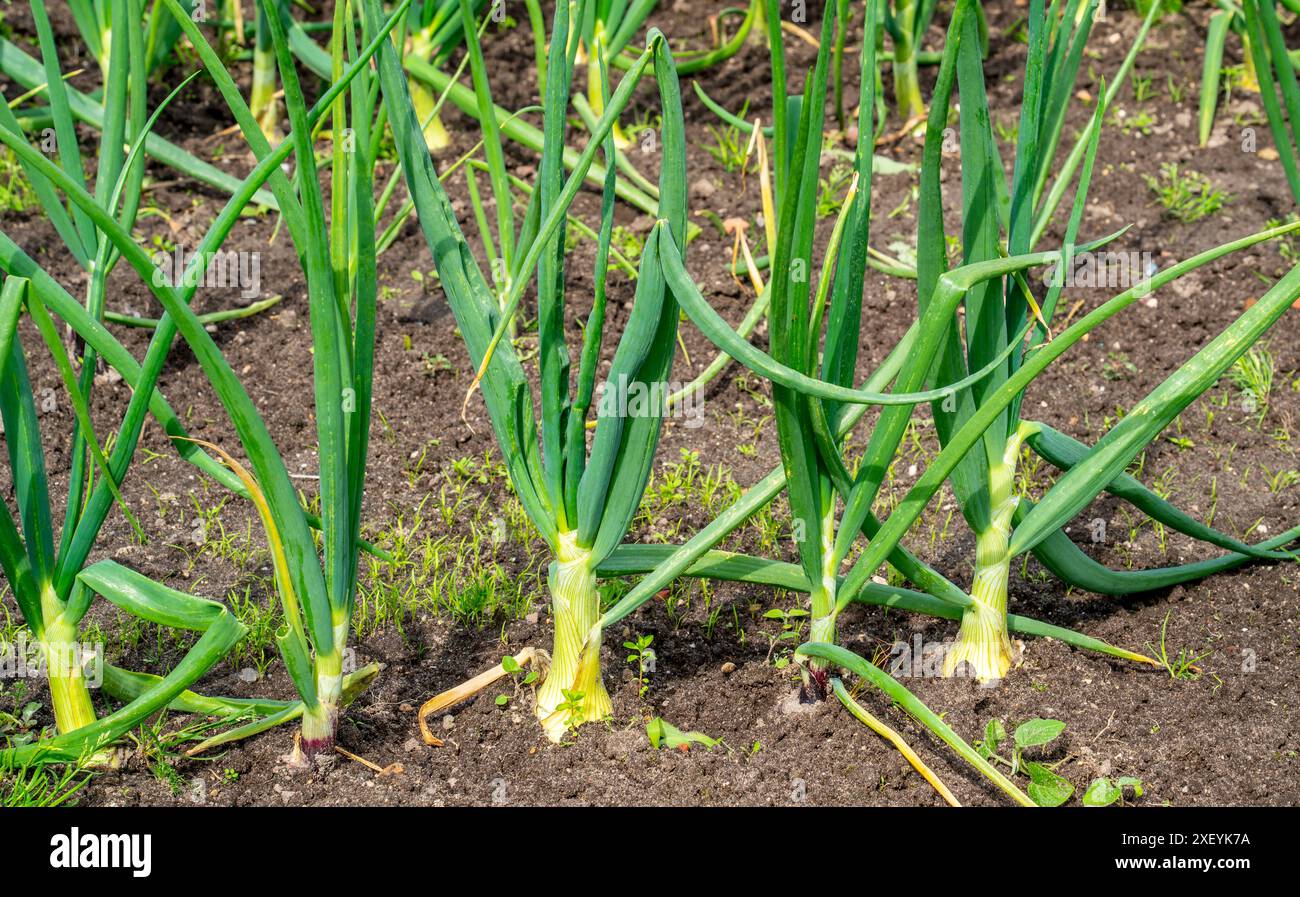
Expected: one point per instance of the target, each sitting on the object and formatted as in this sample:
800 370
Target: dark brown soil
1229 737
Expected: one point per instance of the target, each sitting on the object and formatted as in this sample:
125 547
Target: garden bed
460 595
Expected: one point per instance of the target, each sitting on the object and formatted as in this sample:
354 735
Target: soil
1230 736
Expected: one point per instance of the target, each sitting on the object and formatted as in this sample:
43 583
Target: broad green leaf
994 733
1101 793
1038 731
1045 787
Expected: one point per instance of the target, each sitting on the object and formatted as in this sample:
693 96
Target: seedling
1103 792
642 656
517 675
1046 788
572 708
1187 195
791 630
728 147
1140 123
1184 665
1117 366
1252 374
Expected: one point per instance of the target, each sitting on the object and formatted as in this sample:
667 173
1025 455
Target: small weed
729 144
1252 374
1045 788
642 657
1141 123
40 784
792 623
832 191
517 676
1187 195
1183 666
1103 792
1117 366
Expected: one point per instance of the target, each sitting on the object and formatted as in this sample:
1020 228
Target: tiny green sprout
643 657
1141 88
791 629
628 243
729 146
1252 374
1140 123
1187 195
1103 792
1118 366
571 707
517 675
1175 90
1184 665
832 190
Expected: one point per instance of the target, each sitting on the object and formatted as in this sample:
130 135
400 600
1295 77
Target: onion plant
580 501
94 20
982 374
433 30
339 263
32 75
261 95
617 24
906 21
1258 48
49 579
1070 29
1228 18
1000 311
1274 66
338 255
816 474
607 27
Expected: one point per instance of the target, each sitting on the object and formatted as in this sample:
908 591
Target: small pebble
728 668
703 189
